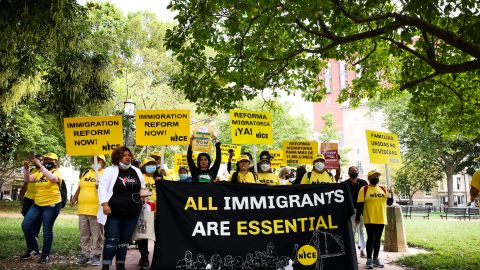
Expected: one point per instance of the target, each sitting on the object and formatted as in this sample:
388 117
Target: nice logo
307 255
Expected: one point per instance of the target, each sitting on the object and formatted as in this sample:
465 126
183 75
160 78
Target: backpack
366 188
309 174
63 192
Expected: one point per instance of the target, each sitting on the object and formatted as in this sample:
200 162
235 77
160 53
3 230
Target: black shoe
121 266
143 264
43 260
105 267
29 254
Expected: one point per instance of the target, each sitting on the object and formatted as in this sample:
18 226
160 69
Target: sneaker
369 264
362 254
82 260
28 254
143 264
377 263
95 260
43 260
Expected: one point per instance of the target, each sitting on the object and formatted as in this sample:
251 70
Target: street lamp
129 114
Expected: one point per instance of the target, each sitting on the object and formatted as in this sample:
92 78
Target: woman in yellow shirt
242 175
91 232
372 204
46 207
265 174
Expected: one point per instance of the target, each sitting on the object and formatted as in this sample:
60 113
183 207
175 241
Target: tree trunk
449 173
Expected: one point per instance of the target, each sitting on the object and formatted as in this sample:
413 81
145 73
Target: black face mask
374 180
353 174
48 165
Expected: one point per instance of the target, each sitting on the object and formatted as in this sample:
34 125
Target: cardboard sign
383 148
163 127
300 152
203 139
278 160
96 135
237 150
330 151
249 127
180 160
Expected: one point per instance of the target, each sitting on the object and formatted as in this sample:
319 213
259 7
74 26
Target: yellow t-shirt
30 193
476 180
248 178
88 197
150 183
47 192
375 204
268 179
317 178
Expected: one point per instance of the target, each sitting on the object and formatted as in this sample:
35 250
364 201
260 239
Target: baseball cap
156 154
265 155
243 157
51 156
320 156
102 157
147 160
372 172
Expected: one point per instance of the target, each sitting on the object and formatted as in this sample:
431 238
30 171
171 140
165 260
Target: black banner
242 226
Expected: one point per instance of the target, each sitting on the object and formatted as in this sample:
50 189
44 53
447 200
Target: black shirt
209 175
355 188
125 201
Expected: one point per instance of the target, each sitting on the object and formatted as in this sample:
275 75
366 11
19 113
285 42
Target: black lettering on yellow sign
93 124
162 124
89 179
155 132
375 143
93 132
85 142
109 146
163 116
382 136
377 195
384 152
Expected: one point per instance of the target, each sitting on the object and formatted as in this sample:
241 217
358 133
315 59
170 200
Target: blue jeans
27 203
48 215
118 232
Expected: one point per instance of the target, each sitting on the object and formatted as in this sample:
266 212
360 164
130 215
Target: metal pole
387 176
162 161
95 161
254 147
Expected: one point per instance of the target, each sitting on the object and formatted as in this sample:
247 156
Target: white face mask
124 166
96 166
319 166
265 167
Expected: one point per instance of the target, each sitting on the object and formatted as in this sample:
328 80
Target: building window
459 181
428 193
359 167
343 75
328 78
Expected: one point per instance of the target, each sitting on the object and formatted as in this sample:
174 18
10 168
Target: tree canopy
230 50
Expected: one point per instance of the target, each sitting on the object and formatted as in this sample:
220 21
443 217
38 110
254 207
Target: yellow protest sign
300 152
202 141
162 127
250 127
180 160
237 149
383 148
96 135
278 161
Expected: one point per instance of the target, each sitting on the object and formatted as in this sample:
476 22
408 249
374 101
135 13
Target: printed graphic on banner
300 152
306 228
180 160
383 148
203 138
162 127
95 135
330 151
237 149
277 161
250 127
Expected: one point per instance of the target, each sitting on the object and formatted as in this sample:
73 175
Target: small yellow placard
300 152
180 160
250 127
163 127
237 149
202 141
383 148
278 161
95 135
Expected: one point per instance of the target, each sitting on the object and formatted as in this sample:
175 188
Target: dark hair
183 168
301 171
117 154
204 155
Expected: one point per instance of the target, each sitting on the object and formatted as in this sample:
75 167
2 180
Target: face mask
374 180
150 168
96 166
265 167
319 166
124 166
353 174
292 179
183 176
48 165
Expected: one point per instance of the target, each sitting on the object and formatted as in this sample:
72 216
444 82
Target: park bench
417 211
473 213
455 212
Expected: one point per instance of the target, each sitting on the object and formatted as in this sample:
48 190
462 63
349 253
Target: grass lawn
453 244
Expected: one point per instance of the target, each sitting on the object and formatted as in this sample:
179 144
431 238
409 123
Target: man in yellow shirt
319 173
372 204
91 232
475 184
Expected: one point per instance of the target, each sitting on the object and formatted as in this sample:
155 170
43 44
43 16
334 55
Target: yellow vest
47 192
88 197
248 178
